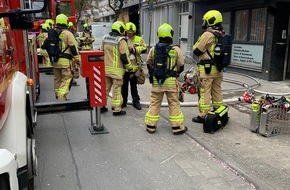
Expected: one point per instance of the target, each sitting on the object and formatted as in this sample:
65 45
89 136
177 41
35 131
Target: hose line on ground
231 100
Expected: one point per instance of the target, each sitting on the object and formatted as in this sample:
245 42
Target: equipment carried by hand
180 92
140 74
216 120
75 70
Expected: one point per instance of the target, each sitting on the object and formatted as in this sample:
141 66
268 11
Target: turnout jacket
176 57
116 55
70 45
140 46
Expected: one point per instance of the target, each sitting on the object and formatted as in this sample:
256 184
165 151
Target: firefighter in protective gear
136 46
70 55
71 27
40 39
117 61
209 90
72 30
50 22
86 39
175 65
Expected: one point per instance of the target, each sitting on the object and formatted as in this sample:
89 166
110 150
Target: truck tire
31 156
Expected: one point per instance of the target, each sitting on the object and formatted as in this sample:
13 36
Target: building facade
259 30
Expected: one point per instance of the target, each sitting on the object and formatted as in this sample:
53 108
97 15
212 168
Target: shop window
241 27
258 25
250 25
226 21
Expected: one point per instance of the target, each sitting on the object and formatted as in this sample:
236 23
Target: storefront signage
246 55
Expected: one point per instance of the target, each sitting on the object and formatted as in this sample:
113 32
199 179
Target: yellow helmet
131 26
86 26
119 26
70 25
50 22
61 19
45 26
165 30
211 18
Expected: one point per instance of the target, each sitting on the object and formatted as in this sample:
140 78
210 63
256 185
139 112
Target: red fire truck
54 8
19 87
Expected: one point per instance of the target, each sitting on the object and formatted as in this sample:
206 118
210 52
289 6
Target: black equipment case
215 120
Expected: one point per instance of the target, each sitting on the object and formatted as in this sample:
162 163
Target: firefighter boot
198 119
137 105
150 129
176 130
122 112
104 109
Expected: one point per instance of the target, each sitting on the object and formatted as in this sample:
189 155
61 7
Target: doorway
287 53
135 17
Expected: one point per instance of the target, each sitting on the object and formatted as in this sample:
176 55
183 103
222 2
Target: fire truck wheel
192 90
31 157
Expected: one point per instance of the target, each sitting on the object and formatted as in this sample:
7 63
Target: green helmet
165 30
45 26
119 26
212 17
131 27
50 22
61 19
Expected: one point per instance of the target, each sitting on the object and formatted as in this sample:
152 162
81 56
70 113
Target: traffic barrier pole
93 69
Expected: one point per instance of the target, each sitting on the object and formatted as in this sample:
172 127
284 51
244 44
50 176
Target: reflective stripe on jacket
206 43
67 40
140 46
113 47
176 57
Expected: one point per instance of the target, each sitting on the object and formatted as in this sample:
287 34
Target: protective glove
132 50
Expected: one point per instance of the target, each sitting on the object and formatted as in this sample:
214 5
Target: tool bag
75 70
140 74
215 120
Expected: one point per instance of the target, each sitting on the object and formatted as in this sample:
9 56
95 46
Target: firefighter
50 22
117 61
175 64
40 39
210 78
72 30
71 27
62 68
136 46
86 38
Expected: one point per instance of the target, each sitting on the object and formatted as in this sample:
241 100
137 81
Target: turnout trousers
62 80
115 85
133 88
210 92
176 117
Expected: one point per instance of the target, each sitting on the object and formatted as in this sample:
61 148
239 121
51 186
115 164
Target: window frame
249 27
